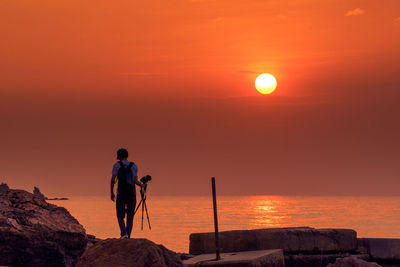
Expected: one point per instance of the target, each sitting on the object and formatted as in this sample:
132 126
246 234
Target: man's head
122 153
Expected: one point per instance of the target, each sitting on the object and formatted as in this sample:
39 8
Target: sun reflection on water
174 218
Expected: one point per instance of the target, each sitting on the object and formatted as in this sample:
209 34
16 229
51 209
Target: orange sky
173 81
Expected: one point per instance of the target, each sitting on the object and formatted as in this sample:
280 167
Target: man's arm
139 183
113 180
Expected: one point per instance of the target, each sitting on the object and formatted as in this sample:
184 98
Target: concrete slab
259 258
292 240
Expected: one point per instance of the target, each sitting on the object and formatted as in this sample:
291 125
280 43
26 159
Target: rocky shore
36 233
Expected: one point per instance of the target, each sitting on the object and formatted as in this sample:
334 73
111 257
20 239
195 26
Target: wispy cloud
281 16
247 72
355 12
139 73
219 19
397 21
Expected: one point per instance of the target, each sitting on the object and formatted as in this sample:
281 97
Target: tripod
144 206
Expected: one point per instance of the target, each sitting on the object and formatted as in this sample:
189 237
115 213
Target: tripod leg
147 214
142 212
138 207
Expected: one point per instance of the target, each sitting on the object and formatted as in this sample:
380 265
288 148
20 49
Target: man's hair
122 153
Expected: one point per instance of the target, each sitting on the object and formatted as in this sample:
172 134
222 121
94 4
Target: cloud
139 74
248 72
397 21
219 19
355 12
281 16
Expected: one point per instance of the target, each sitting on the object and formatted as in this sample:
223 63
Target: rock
36 233
270 258
129 252
91 240
316 260
292 240
57 198
3 188
185 256
352 262
37 193
381 249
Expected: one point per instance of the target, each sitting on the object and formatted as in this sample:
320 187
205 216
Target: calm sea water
174 218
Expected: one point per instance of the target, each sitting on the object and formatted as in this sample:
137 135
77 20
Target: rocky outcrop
92 240
317 260
352 262
304 240
4 188
36 233
57 198
38 194
385 250
129 252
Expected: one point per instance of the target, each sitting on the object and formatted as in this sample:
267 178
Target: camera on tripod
145 179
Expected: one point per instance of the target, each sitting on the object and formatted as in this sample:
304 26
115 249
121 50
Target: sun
265 83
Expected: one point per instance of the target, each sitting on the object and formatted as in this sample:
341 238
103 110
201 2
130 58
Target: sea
174 218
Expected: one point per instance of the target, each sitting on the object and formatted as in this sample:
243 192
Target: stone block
292 240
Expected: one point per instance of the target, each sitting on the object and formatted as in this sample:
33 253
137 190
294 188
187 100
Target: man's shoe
124 237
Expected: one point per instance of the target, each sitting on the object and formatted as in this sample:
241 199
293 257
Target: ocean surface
173 218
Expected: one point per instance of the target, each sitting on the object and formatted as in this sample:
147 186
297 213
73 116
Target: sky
173 82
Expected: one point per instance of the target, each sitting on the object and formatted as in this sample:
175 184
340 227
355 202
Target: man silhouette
126 173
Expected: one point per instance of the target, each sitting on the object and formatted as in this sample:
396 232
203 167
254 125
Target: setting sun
265 83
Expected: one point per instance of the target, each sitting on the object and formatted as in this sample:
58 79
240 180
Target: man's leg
130 211
120 206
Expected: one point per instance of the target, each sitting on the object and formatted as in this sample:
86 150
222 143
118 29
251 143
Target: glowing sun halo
265 83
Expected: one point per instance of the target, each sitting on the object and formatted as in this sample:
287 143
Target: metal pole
217 249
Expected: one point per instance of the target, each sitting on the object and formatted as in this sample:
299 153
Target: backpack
125 189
